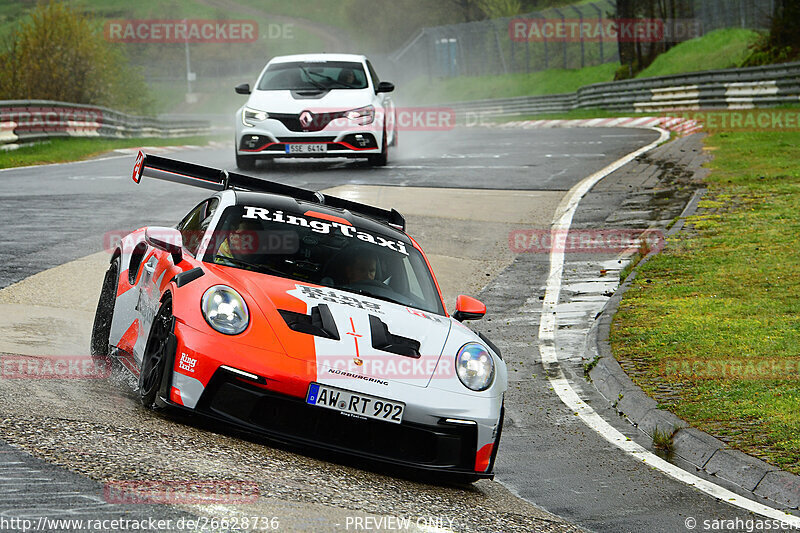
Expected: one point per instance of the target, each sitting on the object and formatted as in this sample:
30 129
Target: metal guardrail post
580 29
600 22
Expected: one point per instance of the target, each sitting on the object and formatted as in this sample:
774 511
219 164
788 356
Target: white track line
562 220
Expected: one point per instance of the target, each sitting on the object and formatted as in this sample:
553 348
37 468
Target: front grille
441 446
318 120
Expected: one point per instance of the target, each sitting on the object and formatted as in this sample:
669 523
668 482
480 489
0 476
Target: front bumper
346 145
272 139
277 409
443 447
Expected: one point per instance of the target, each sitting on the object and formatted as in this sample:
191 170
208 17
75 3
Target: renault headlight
225 310
253 115
362 116
475 366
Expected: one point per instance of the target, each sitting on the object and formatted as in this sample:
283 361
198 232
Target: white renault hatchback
316 105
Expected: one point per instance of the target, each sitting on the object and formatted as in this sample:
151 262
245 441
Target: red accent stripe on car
483 457
348 145
123 285
175 396
129 338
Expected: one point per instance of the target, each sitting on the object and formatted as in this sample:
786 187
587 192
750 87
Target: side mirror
166 239
385 87
468 308
244 88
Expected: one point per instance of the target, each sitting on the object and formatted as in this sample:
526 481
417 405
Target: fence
487 47
745 88
32 120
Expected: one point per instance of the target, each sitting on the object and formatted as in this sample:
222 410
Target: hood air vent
319 323
387 342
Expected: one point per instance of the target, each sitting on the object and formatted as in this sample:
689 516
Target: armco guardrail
743 88
32 120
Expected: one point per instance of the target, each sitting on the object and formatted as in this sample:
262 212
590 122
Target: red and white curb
677 125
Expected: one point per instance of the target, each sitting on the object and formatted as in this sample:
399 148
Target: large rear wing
214 179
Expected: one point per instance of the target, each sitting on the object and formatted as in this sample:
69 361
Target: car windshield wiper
315 84
253 266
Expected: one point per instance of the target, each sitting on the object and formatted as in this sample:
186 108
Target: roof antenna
320 197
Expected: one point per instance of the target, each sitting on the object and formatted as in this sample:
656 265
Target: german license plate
318 148
355 403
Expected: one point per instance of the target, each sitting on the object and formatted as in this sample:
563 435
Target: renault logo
306 119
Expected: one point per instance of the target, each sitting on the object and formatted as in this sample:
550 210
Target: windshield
317 250
313 76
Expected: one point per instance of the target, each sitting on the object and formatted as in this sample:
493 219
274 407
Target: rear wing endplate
214 179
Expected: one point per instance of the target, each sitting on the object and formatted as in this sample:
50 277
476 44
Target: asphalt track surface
56 214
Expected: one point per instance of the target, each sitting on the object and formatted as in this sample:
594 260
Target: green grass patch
719 49
61 150
724 296
466 88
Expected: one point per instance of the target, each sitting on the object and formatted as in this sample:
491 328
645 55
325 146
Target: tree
60 54
500 8
782 43
636 55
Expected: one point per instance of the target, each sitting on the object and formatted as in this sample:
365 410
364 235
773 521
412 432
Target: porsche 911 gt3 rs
316 105
303 317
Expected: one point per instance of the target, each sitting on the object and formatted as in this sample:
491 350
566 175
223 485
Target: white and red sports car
306 318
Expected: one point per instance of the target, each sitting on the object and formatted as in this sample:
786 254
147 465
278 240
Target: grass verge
466 88
77 149
711 327
719 49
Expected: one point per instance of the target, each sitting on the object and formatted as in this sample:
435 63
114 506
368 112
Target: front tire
156 355
245 162
104 315
380 160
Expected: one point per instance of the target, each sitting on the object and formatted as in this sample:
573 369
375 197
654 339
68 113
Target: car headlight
225 310
253 115
361 116
475 366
